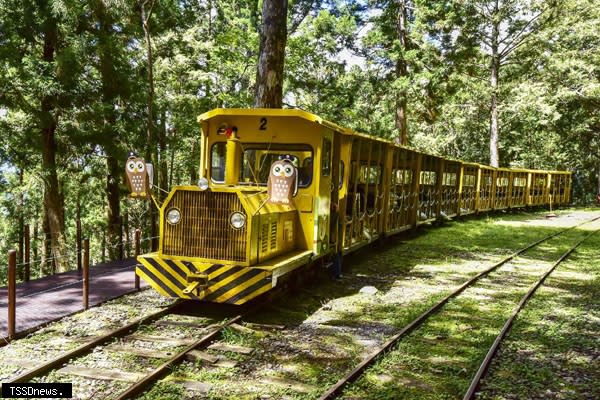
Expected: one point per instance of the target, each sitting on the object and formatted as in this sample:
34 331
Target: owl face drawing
283 182
137 177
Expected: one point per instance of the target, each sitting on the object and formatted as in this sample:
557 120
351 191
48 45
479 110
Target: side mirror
295 191
150 172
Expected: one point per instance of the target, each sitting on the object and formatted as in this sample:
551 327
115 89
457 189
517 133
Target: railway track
162 370
203 336
335 390
129 333
250 375
193 339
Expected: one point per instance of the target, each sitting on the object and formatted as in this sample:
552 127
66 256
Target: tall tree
53 199
404 72
500 27
106 28
402 68
316 77
146 9
40 79
271 59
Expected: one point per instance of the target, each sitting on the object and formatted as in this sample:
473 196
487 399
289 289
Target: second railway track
510 268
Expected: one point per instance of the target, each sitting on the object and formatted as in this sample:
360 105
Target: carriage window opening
408 176
217 162
540 182
305 173
520 182
370 174
449 179
402 176
257 159
469 180
428 178
326 158
341 174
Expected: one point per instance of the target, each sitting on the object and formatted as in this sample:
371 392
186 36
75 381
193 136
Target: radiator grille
204 230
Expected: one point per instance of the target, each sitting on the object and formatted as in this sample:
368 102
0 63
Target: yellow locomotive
281 188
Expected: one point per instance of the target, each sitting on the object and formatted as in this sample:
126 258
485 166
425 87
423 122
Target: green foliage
341 61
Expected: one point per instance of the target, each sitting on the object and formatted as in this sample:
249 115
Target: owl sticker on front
137 177
283 182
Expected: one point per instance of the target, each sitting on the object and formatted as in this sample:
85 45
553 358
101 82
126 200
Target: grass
438 361
332 326
553 348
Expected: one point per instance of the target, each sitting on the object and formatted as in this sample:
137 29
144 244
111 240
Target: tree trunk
127 235
172 160
21 254
163 180
145 15
273 38
78 233
193 169
47 264
35 245
401 72
115 238
495 68
598 192
53 200
109 134
103 256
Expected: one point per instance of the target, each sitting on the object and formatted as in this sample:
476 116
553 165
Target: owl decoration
137 177
282 184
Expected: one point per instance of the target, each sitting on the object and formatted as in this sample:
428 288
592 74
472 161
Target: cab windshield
257 159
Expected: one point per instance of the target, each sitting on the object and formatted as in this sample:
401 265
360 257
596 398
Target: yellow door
323 209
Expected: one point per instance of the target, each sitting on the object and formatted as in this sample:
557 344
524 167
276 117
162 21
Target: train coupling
196 282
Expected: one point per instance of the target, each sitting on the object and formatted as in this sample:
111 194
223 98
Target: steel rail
148 380
65 357
351 376
144 383
508 324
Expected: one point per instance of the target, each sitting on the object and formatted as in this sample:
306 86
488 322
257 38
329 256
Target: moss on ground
332 325
553 350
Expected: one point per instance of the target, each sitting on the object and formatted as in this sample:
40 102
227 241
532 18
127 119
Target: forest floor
553 350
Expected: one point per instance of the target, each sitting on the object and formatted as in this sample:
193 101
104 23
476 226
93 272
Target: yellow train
282 188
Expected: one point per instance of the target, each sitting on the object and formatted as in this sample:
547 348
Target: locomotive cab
232 236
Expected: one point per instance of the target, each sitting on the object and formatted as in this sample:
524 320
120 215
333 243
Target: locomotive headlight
203 183
173 216
237 220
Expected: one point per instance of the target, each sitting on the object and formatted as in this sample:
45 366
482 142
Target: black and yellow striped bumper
223 284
